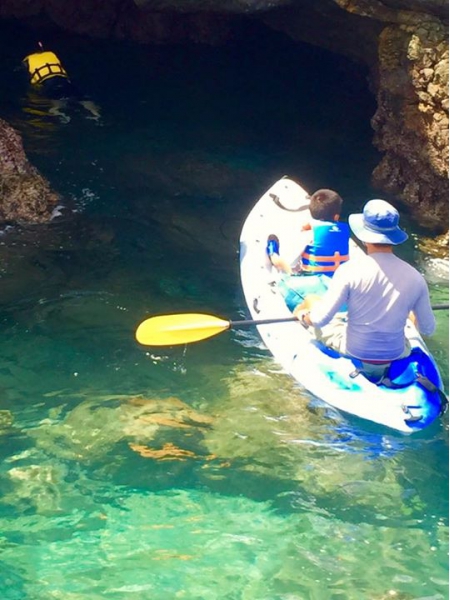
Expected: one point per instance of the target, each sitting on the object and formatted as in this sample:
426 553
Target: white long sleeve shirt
380 290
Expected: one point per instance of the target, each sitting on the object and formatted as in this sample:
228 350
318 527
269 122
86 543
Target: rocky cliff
25 194
403 42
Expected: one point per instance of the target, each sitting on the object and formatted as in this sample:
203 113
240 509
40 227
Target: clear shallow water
195 473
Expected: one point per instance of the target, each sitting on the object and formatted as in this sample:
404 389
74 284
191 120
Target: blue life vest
329 248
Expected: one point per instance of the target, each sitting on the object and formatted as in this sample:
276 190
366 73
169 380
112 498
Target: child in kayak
318 261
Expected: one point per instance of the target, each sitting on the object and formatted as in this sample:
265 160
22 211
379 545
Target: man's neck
372 248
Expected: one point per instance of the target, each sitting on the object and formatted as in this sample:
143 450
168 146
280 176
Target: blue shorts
294 288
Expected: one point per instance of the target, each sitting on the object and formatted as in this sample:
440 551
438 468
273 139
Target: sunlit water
201 472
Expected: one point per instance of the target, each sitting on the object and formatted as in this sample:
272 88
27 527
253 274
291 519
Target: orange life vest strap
336 259
314 269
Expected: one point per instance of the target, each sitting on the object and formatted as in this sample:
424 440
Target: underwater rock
35 485
167 452
6 420
95 425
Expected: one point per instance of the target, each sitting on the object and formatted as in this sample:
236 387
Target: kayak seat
415 368
418 368
405 371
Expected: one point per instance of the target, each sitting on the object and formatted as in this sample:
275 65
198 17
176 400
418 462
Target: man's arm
324 309
424 318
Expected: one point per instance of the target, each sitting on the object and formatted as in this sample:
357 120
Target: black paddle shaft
262 321
290 319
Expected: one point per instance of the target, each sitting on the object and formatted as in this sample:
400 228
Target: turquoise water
199 472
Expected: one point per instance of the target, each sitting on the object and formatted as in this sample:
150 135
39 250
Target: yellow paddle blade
169 330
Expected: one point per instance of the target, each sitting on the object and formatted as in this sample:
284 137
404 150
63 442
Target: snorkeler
46 73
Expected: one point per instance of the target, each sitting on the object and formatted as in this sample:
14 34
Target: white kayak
407 407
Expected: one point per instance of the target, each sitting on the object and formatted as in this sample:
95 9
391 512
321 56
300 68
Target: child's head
325 205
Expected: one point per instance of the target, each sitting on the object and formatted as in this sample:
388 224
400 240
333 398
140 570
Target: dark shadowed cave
404 48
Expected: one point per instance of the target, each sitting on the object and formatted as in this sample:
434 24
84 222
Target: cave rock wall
25 195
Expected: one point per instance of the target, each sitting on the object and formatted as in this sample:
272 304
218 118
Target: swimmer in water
46 73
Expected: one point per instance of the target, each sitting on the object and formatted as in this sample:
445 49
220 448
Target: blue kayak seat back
404 371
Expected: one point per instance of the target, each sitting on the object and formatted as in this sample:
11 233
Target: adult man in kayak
47 75
380 291
318 261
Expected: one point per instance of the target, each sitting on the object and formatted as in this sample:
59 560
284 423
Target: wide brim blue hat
378 224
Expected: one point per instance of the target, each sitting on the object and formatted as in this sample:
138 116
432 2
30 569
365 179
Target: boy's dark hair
324 205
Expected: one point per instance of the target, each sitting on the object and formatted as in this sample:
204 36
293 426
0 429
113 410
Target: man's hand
301 311
412 317
303 317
